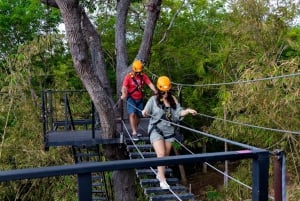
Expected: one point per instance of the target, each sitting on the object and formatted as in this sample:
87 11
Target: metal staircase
84 154
147 177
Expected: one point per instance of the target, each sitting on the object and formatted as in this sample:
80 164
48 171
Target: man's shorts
135 106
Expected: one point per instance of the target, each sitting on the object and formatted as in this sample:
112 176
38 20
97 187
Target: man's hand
123 93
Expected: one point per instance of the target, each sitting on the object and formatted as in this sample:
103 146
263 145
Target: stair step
135 155
141 172
142 139
97 175
99 191
184 196
97 184
86 154
99 198
155 181
141 147
156 190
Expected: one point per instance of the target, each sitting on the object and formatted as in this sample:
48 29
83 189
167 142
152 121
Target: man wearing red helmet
132 89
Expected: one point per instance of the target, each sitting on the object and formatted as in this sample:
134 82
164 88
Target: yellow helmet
163 83
137 66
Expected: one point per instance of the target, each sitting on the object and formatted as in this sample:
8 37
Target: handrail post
93 120
122 113
85 187
279 177
260 175
51 109
66 111
44 118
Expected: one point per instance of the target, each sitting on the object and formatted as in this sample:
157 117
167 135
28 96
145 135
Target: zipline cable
249 125
231 83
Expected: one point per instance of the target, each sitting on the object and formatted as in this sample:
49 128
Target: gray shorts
155 136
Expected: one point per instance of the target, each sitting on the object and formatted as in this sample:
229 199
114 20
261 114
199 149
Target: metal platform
89 137
68 122
70 138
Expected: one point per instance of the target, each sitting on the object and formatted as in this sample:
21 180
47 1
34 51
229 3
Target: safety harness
167 116
138 87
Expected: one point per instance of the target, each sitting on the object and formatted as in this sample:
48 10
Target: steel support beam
260 175
84 187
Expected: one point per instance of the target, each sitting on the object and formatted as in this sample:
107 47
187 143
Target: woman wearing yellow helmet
163 109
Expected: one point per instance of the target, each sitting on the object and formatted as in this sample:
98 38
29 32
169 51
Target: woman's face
164 94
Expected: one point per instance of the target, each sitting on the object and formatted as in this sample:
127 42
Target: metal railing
260 169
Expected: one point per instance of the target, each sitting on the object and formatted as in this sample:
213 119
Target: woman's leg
159 148
162 149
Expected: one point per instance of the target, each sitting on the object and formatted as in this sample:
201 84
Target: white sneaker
164 185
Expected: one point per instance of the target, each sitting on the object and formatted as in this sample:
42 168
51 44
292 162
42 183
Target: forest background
210 47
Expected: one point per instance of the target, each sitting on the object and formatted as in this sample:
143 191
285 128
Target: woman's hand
192 111
188 111
144 113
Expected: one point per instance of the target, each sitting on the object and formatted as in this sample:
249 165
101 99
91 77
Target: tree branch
153 11
172 22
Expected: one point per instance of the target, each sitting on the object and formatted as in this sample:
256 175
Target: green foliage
26 73
199 42
213 195
21 21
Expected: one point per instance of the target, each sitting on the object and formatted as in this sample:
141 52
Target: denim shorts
155 136
135 106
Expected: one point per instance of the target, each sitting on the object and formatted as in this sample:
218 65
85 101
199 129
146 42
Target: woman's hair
170 99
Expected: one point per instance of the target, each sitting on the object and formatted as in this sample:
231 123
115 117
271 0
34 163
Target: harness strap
138 86
154 126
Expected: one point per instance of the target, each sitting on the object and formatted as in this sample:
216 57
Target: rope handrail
206 134
215 137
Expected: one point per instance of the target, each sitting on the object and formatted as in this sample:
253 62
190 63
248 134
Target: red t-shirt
131 85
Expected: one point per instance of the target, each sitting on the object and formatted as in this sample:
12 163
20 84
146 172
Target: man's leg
133 125
133 122
138 115
137 121
131 113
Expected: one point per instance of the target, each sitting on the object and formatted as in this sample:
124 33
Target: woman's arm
148 107
188 111
145 113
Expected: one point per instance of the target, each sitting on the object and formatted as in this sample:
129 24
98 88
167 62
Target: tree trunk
87 54
153 11
94 79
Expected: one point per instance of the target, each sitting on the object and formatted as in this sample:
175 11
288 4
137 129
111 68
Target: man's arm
152 87
124 92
